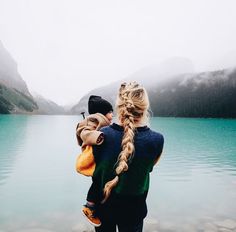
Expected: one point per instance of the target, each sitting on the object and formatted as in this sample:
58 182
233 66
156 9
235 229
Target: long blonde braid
132 105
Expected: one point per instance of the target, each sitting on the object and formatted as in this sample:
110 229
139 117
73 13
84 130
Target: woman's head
133 103
132 109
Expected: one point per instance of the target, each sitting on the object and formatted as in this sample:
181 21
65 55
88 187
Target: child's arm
87 134
92 137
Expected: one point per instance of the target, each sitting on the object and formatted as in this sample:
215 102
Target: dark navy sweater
127 202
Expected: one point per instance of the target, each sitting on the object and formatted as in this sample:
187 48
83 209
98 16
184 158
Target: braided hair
132 108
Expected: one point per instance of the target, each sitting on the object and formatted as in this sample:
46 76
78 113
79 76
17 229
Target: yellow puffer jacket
87 134
85 164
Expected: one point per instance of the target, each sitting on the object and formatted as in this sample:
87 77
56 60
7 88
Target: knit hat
97 104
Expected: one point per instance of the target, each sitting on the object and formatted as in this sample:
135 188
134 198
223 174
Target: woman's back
148 147
127 202
124 161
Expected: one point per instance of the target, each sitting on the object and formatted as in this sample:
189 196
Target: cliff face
14 94
14 101
9 75
15 97
206 94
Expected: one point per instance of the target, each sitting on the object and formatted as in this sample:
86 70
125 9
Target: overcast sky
64 48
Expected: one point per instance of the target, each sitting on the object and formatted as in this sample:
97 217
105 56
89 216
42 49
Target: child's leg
89 209
93 195
90 204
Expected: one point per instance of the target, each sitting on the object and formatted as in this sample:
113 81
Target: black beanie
97 104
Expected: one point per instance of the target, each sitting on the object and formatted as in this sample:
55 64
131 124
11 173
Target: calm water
193 188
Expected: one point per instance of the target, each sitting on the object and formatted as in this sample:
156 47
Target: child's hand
100 138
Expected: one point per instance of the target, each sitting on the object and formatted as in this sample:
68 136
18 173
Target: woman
124 161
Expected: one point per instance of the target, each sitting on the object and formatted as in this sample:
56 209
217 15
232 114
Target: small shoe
89 214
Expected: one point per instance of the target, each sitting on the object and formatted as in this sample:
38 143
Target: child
101 113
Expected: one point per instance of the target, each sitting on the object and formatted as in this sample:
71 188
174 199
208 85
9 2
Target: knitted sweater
131 190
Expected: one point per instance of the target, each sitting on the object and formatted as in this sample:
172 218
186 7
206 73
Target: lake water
193 188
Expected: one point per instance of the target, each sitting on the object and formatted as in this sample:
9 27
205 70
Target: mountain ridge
204 94
15 97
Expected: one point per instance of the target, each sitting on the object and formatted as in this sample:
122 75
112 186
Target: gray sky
64 48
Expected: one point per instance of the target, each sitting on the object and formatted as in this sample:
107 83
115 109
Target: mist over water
192 188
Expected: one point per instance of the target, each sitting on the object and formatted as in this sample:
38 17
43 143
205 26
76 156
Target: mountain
108 92
15 98
179 93
47 106
9 75
14 94
148 76
155 74
206 94
14 101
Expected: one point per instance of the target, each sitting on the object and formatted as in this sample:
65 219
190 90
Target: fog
65 48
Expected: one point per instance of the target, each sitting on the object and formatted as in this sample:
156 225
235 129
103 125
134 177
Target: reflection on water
192 188
12 134
198 143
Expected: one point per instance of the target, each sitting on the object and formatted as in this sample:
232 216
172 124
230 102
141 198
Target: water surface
193 187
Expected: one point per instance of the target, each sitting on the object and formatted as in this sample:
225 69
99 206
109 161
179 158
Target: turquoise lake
193 187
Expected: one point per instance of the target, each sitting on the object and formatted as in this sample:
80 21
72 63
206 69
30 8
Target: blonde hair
132 109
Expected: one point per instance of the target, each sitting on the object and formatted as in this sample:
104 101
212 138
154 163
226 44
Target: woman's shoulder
156 136
112 128
107 129
156 133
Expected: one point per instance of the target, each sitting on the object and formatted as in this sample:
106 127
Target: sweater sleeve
90 137
87 134
160 145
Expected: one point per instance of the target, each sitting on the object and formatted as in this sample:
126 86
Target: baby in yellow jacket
88 134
